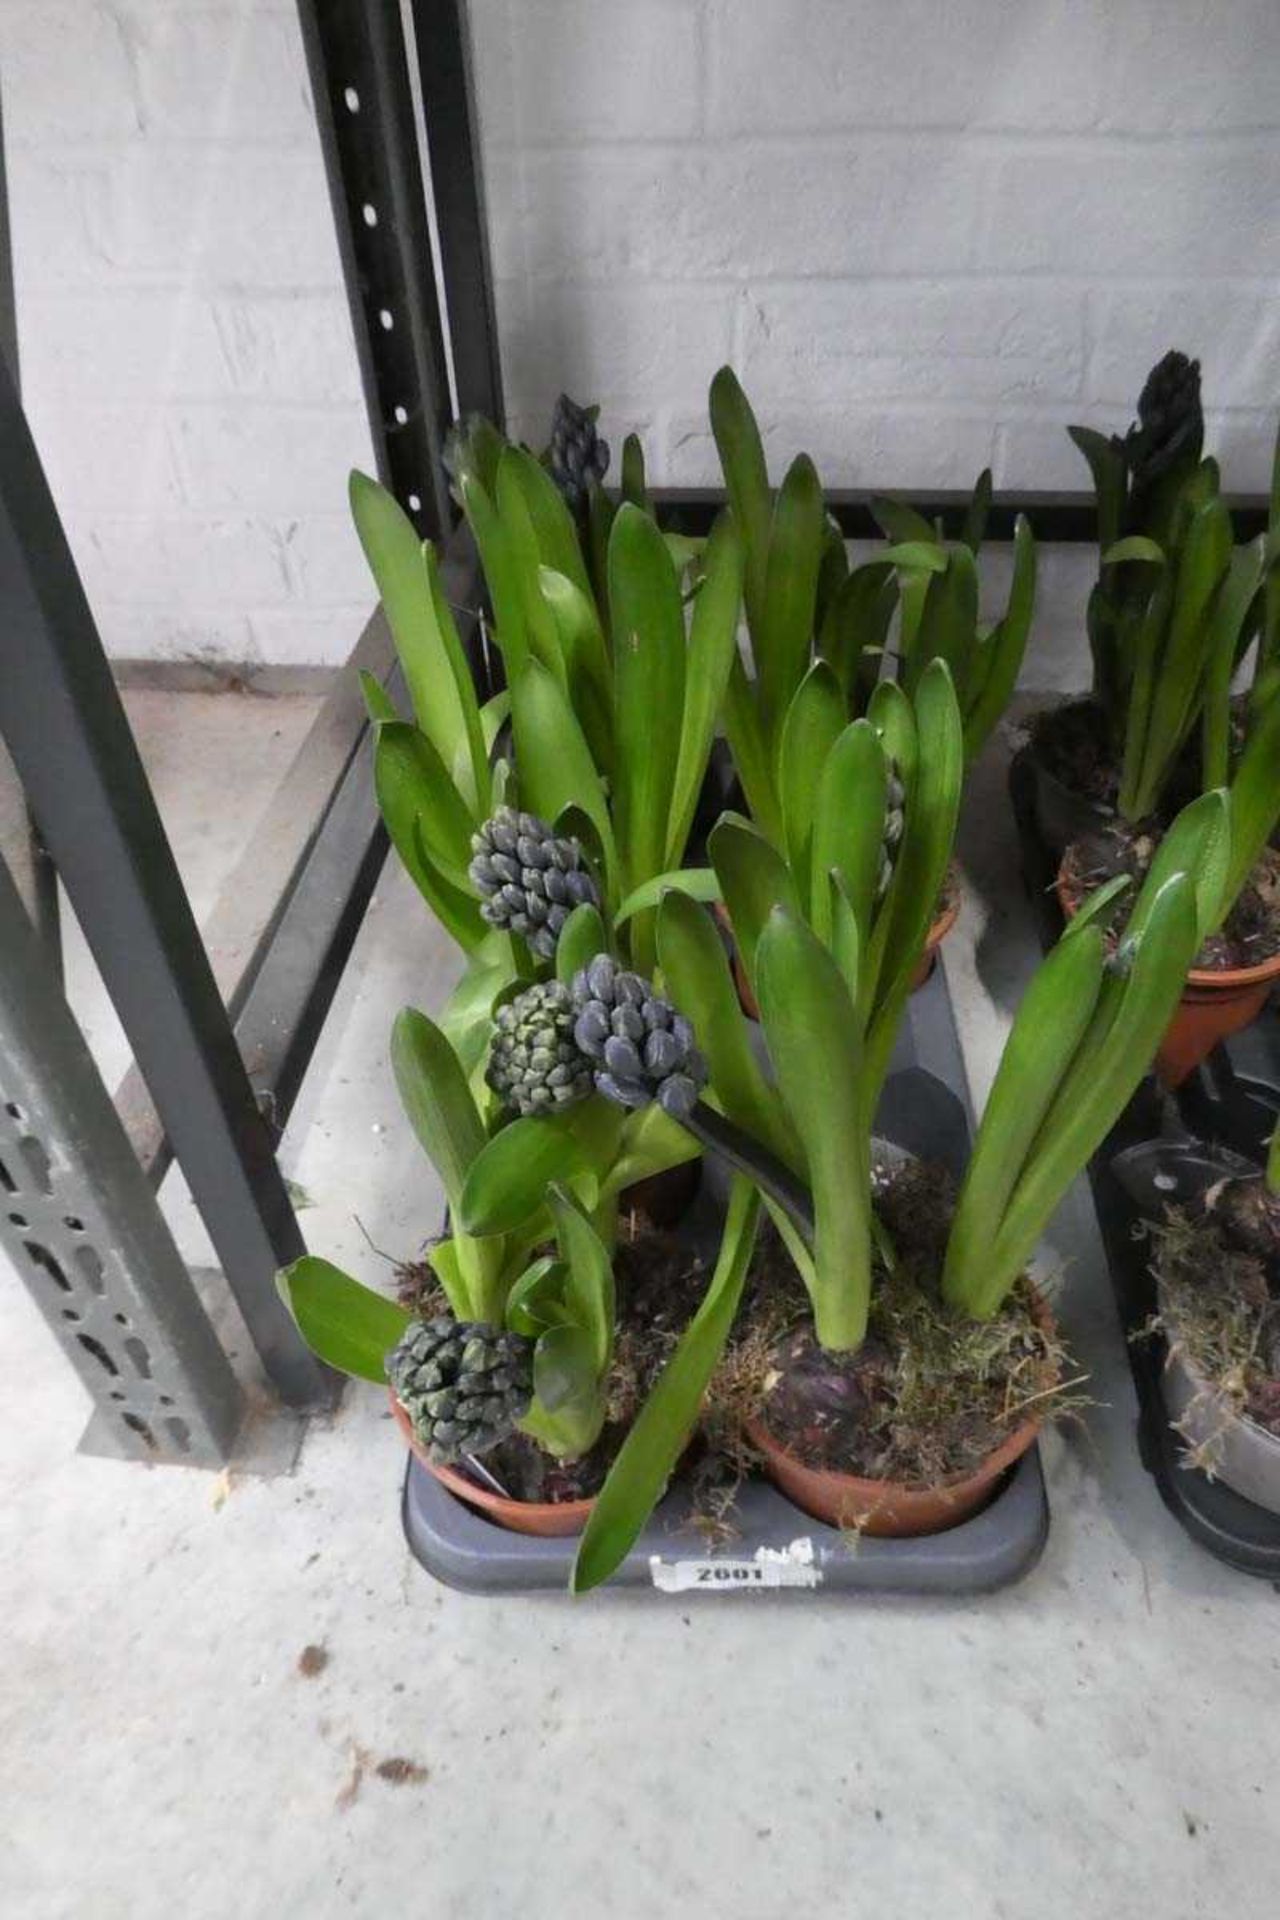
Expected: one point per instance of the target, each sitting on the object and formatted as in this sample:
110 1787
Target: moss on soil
1219 1276
1251 933
929 1395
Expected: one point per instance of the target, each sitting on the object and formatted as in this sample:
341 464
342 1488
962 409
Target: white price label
768 1567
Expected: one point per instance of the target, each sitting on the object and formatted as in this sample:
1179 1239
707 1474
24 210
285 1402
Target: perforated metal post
66 729
81 1225
358 63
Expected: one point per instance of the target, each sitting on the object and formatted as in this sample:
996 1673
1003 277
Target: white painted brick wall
187 359
927 235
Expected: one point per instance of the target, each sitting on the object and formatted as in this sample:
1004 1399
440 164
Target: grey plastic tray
777 1547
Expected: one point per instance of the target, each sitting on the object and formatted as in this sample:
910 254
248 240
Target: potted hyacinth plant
920 1361
1192 608
535 826
943 1299
821 631
1216 1263
507 1380
1210 1225
558 791
1076 748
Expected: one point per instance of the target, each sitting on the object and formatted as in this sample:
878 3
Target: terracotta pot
928 959
888 1509
548 1519
893 1509
1212 1006
933 940
1215 1002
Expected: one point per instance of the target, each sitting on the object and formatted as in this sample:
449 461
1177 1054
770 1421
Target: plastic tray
777 1547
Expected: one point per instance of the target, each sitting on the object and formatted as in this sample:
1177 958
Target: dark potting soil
1219 1269
1251 933
929 1394
1072 742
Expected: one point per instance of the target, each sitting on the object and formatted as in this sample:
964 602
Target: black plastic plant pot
1061 814
1234 1096
776 1547
1133 1179
1036 854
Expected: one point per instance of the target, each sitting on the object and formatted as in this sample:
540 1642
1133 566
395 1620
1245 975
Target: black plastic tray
777 1547
1227 1101
1234 1098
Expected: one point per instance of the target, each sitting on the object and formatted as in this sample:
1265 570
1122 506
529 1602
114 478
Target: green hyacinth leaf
990 687
783 636
855 626
1198 843
589 1288
948 622
1255 794
1135 547
814 722
1231 609
524 551
815 1046
501 574
1049 1025
754 878
536 1300
346 1325
978 512
751 757
557 537
893 717
507 1181
746 478
412 783
568 1409
649 688
426 639
437 1100
696 971
712 650
900 523
700 883
1107 465
918 556
634 490
649 1142
1098 904
467 1015
1202 563
378 703
660 1431
582 937
1091 1097
587 667
848 827
556 767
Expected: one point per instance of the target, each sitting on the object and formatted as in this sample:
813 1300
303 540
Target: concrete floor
1102 1740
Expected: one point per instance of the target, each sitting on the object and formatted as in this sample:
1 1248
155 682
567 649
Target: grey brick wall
927 234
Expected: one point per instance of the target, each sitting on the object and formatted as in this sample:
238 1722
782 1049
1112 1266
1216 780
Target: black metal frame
224 1059
1063 517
